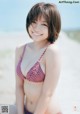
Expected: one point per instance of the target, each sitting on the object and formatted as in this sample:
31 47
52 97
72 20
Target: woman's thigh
54 107
12 109
54 111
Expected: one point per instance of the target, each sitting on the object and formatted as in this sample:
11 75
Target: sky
13 13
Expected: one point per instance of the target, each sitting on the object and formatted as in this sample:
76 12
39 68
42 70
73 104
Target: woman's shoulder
53 54
52 49
20 48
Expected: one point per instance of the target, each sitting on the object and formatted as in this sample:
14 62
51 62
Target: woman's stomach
33 92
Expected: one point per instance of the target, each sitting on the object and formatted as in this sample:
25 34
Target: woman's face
38 30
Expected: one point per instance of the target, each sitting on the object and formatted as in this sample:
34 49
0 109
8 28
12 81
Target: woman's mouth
36 34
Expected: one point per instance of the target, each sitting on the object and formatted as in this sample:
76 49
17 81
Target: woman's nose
37 26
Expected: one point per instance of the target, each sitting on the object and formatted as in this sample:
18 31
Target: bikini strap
43 53
23 51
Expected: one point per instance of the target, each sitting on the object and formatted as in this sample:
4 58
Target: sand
69 84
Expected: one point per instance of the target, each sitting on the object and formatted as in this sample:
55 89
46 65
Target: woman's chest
32 62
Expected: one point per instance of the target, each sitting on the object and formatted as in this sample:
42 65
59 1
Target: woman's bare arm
53 67
19 85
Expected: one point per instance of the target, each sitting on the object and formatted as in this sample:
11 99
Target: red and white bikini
35 73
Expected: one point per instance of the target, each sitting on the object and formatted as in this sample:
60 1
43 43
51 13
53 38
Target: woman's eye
33 22
44 25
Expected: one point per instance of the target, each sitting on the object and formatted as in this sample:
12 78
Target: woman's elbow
47 95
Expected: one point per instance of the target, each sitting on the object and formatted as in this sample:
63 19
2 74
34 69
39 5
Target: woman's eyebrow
44 21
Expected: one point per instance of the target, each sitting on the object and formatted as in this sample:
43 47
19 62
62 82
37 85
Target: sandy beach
69 83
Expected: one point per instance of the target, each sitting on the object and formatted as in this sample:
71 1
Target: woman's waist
26 81
31 105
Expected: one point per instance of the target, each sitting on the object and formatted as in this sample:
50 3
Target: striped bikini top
35 73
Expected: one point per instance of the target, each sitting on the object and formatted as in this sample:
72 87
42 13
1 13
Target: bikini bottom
27 112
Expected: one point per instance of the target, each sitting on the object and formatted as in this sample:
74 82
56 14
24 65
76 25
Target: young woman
38 63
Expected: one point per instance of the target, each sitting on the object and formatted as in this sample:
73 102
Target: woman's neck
40 44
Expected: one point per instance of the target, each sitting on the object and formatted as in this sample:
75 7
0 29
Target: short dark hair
52 16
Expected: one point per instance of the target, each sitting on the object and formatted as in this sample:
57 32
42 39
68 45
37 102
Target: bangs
36 13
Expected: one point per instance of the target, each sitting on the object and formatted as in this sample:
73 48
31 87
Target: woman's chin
36 39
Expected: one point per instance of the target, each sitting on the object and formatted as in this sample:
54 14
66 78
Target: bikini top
35 74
